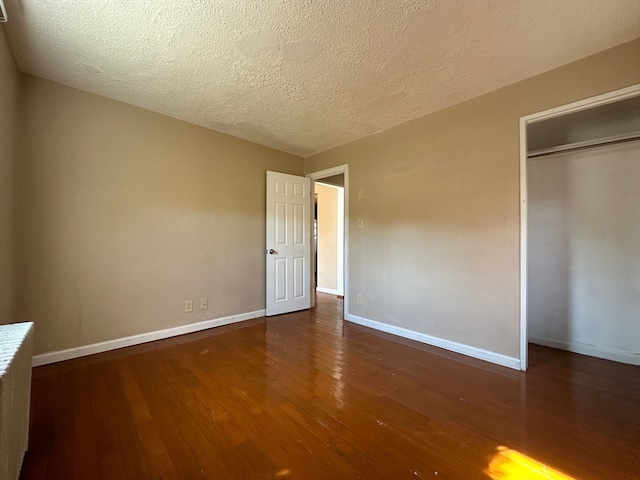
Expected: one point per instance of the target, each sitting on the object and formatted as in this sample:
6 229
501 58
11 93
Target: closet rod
625 137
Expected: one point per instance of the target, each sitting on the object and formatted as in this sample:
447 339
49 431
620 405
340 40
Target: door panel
288 243
299 272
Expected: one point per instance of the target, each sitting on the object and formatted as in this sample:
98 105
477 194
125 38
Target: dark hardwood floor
308 396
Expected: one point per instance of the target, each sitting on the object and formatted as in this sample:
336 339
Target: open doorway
580 245
330 270
329 235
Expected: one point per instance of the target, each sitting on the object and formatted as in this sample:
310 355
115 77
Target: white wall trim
329 172
604 99
340 240
587 103
327 290
468 350
60 355
590 350
524 334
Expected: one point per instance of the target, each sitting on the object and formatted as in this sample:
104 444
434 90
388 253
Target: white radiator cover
16 350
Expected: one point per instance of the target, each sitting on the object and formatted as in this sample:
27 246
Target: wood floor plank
84 436
309 396
122 425
45 389
61 457
147 430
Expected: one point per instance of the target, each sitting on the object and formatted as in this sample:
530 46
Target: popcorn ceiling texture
303 76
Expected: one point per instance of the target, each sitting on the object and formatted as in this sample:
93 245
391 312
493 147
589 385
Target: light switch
360 223
360 194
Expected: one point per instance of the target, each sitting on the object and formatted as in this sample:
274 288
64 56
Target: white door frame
330 172
610 97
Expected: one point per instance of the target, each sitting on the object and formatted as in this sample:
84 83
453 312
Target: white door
288 243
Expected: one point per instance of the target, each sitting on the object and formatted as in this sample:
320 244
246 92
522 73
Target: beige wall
123 214
9 98
439 253
327 236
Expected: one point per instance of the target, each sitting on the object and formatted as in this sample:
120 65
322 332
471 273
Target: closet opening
580 228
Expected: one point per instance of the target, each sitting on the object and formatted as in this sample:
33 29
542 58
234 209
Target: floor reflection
508 464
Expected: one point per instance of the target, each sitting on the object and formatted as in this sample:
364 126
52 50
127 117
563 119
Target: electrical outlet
204 303
188 306
359 299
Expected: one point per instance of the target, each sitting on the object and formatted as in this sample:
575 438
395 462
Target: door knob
271 251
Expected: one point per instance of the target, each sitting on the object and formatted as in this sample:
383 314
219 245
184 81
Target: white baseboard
474 352
327 290
60 355
591 350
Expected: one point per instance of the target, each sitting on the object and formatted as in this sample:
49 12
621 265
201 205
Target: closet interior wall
583 263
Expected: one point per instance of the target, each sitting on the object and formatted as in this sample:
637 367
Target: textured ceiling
306 75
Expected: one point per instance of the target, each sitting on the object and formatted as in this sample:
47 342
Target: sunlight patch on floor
508 464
